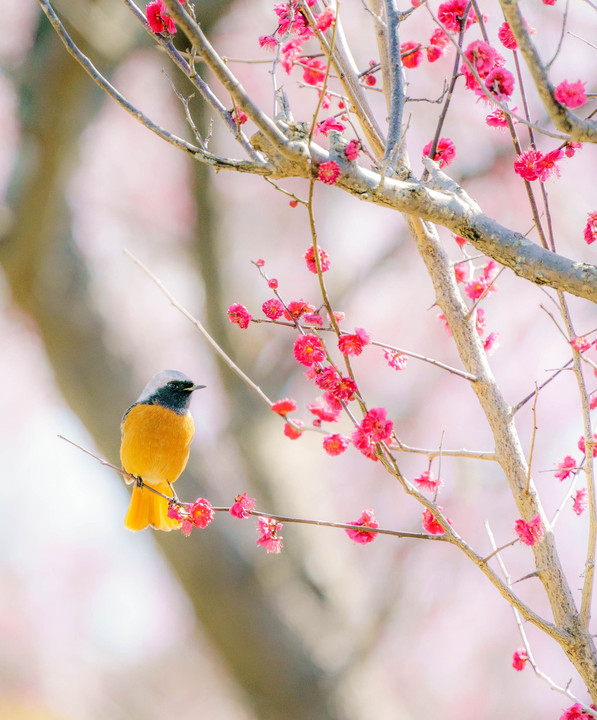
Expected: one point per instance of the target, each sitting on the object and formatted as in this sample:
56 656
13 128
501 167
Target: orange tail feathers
147 508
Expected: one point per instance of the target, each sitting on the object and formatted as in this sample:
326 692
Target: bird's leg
139 482
174 495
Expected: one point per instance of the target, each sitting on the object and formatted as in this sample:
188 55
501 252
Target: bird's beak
195 387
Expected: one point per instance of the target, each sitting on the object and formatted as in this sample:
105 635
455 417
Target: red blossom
593 400
506 37
352 150
325 20
580 344
174 512
242 506
525 164
426 481
339 387
313 71
326 101
158 19
484 58
335 444
283 407
582 447
239 315
439 38
461 272
499 119
201 513
353 344
313 319
430 524
580 501
364 443
395 359
238 116
477 287
308 349
490 344
370 80
571 95
571 148
411 54
268 42
291 52
291 432
297 308
376 425
590 231
519 659
445 152
451 13
324 260
329 172
566 466
529 532
546 165
433 53
328 124
366 519
273 308
500 83
444 320
480 321
268 530
460 240
325 410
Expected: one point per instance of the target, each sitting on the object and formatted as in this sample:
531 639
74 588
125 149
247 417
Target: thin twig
228 360
528 482
424 358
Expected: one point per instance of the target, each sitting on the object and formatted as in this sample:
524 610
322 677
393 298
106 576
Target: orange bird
157 431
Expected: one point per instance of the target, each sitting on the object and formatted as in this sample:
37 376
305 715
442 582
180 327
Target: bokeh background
97 622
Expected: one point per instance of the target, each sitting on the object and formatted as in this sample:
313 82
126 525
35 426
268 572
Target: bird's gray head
169 388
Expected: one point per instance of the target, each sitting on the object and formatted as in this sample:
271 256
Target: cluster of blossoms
310 351
375 429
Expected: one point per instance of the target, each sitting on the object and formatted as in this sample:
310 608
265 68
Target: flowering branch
561 116
442 201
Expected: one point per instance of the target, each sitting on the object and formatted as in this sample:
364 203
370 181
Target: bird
156 434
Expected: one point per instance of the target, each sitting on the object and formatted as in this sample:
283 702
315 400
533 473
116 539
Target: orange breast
155 443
